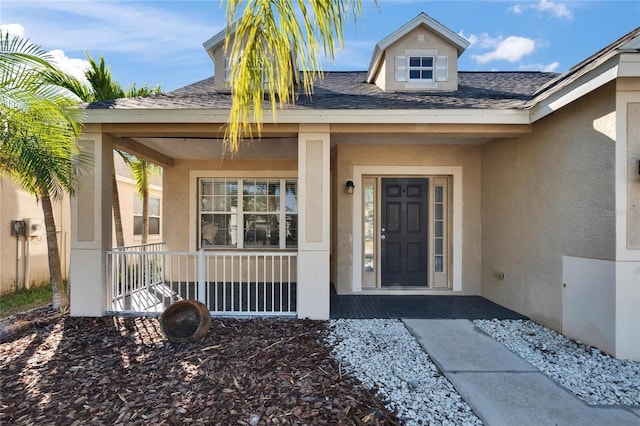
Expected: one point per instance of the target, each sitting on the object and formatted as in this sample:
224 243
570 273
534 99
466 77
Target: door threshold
407 291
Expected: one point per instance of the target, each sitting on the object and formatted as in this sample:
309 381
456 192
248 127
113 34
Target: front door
403 236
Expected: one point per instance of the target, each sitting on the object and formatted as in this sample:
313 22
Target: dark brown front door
404 232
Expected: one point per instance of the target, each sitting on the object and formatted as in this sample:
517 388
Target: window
227 71
421 68
154 215
248 213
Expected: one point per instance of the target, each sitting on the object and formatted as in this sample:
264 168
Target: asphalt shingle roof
348 90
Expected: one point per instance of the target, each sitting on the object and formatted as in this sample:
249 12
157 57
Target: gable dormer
215 48
420 55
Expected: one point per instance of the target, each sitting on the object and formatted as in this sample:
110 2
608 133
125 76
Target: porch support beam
313 223
195 130
142 152
91 217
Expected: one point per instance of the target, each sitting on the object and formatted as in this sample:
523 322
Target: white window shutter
227 70
401 68
442 68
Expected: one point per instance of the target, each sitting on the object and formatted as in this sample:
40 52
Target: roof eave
421 20
337 116
621 65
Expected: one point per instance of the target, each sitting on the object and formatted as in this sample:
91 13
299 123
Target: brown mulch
122 371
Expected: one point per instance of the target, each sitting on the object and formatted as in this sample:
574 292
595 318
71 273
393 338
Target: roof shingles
348 90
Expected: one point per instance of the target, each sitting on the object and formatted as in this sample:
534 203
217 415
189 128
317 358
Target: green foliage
38 125
264 38
25 299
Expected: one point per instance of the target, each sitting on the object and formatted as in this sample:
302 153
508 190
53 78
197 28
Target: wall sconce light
349 187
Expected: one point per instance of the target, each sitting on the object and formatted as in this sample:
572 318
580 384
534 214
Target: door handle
382 237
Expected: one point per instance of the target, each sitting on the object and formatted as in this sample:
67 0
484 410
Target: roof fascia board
591 81
343 116
214 42
629 65
423 19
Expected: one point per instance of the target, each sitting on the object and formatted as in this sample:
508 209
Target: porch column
627 270
313 222
91 219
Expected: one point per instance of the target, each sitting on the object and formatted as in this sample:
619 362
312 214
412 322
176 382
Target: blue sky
160 42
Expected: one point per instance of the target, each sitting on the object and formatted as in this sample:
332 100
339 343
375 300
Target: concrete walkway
501 387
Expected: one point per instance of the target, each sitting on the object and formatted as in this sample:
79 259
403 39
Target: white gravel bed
384 356
590 374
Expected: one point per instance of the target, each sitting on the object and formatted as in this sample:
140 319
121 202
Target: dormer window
421 68
422 55
227 71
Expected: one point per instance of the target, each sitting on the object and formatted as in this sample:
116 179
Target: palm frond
264 38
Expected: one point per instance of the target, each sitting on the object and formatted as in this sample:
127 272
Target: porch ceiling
210 148
163 143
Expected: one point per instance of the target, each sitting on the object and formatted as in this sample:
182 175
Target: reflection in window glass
369 229
218 212
439 229
248 213
154 215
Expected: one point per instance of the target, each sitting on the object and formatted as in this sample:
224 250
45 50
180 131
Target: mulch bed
117 371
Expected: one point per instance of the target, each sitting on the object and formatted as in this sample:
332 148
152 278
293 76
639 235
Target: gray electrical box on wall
17 228
33 227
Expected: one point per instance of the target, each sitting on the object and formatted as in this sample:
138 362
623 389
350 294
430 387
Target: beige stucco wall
176 214
16 204
411 41
126 192
390 151
547 195
633 175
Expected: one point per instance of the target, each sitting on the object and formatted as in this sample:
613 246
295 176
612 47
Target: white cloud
13 29
556 10
517 9
511 49
142 29
74 66
552 67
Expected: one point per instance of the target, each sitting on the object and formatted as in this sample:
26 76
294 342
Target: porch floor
423 307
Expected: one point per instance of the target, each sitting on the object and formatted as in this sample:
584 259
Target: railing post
202 295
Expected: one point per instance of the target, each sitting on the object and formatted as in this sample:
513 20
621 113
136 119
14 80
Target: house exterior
24 254
409 178
24 258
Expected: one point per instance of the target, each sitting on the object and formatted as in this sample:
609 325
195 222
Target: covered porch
284 272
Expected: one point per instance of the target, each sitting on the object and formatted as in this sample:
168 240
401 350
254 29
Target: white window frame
227 72
440 69
158 216
420 68
194 210
456 186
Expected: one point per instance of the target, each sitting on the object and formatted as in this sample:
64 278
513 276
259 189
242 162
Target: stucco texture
390 151
16 204
430 41
545 195
176 184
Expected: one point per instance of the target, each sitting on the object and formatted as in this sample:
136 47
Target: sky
160 42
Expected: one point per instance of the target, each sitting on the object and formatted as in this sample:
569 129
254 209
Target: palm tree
266 34
142 171
104 88
38 136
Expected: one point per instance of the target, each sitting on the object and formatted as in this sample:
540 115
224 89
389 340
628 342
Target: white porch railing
147 279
